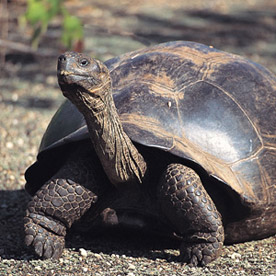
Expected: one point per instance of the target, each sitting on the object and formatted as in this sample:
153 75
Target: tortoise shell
213 108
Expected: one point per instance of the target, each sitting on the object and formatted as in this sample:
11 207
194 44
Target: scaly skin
187 205
54 208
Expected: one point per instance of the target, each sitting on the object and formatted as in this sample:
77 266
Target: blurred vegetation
40 13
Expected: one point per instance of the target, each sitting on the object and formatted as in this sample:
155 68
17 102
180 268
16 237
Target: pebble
235 256
9 145
20 141
84 269
98 256
131 266
15 122
14 97
83 252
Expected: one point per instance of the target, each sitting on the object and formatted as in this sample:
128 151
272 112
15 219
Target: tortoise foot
45 243
185 202
52 210
204 249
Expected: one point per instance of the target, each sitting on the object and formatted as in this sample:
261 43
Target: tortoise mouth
70 81
67 77
64 73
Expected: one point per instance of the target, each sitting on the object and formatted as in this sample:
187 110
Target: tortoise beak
67 71
63 68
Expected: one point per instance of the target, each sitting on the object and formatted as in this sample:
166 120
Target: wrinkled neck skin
119 157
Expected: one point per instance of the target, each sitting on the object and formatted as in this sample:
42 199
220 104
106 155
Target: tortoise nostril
62 58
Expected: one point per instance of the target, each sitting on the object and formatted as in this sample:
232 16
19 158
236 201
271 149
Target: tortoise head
79 73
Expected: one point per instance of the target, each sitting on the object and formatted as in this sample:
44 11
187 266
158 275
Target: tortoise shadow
128 242
12 210
12 207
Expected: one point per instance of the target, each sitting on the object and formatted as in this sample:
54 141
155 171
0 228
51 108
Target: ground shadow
125 242
33 102
232 30
12 209
235 30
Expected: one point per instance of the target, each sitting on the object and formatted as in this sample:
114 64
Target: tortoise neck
119 157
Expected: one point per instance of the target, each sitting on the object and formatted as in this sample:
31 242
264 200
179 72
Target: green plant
39 14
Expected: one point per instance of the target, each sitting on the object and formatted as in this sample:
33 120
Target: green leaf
39 14
55 7
36 12
72 30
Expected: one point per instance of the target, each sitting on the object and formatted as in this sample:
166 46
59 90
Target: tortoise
178 139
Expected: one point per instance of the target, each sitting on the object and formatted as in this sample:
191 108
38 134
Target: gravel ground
29 96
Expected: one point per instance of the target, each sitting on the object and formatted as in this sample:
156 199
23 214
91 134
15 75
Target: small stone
83 252
84 269
246 264
98 256
38 268
14 97
131 266
130 274
235 256
9 145
15 122
20 141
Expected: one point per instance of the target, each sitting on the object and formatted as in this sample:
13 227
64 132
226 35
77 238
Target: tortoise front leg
54 208
187 205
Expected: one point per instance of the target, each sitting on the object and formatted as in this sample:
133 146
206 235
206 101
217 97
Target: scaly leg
62 201
54 208
187 205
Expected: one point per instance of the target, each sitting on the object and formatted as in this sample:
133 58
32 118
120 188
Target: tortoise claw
199 254
38 247
28 240
45 243
48 249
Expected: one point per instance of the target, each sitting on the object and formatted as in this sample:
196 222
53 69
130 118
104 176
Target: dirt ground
29 96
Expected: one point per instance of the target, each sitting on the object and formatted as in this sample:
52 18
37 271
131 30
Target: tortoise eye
84 62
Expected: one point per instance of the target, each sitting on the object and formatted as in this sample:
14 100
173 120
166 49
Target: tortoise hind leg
187 205
54 208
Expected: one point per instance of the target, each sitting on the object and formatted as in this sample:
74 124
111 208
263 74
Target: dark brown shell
205 105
